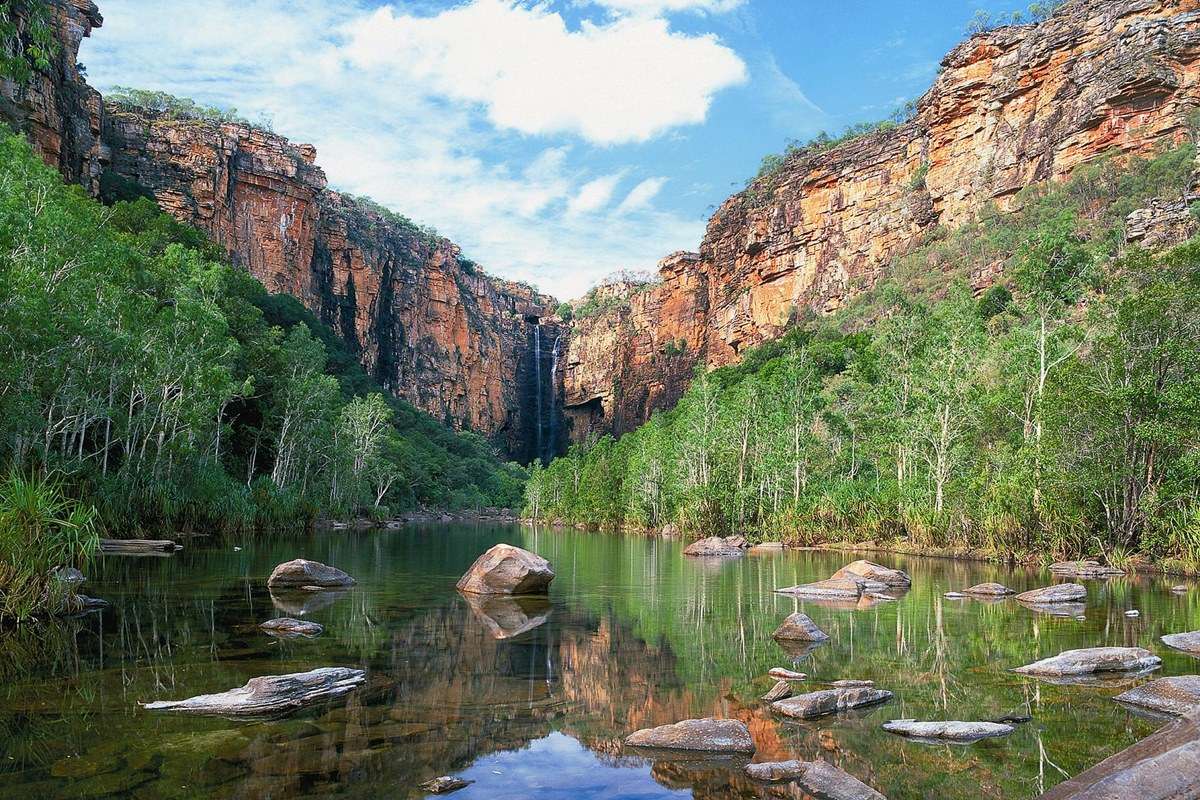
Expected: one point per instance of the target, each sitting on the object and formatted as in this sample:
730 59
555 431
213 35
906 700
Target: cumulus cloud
659 7
593 195
640 196
623 81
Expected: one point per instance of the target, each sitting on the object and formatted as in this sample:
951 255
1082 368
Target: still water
531 699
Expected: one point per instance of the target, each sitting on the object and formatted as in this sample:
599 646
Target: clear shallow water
632 635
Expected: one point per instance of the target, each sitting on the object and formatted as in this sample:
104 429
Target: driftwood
270 695
138 547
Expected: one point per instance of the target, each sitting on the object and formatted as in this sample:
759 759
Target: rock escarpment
1011 107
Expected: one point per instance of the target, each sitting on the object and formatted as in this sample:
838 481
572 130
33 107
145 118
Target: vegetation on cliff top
167 388
1057 415
178 108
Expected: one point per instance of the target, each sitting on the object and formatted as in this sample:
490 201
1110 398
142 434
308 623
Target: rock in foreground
711 735
799 628
717 546
817 778
1176 695
1090 660
1187 642
284 627
869 570
1058 593
304 573
950 731
270 695
1084 569
505 569
829 701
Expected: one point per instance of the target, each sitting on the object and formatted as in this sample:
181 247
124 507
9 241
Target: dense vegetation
1057 414
177 108
166 388
27 48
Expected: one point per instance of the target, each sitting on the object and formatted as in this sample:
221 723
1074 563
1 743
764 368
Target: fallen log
137 547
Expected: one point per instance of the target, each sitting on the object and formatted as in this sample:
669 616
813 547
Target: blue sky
556 141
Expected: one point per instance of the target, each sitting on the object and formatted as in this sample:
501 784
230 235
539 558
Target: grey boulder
302 573
989 590
1187 642
816 778
799 628
1058 593
840 588
505 569
286 627
1177 695
830 701
1090 660
870 571
950 731
710 735
724 547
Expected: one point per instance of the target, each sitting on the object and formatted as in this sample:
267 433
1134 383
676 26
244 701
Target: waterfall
537 362
552 445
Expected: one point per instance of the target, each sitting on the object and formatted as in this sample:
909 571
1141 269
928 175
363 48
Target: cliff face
1010 107
426 323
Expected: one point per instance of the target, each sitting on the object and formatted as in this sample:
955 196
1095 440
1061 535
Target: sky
556 141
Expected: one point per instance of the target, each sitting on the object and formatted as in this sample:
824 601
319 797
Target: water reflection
532 697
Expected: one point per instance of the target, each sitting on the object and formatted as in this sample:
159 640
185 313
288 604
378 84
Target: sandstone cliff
426 322
1010 107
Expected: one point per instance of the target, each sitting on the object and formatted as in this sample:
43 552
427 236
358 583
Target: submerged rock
817 778
839 588
799 628
444 785
710 735
287 627
786 674
870 571
1091 660
1176 695
1058 593
780 691
989 590
1084 569
302 573
505 569
951 731
829 701
1187 642
270 695
717 546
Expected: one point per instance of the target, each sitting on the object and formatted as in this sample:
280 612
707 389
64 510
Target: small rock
304 573
288 627
1133 612
1187 642
799 628
1093 659
780 691
1180 589
711 735
816 778
871 571
786 674
829 701
1058 593
955 596
953 731
717 546
444 785
1084 569
851 684
505 569
1176 695
989 590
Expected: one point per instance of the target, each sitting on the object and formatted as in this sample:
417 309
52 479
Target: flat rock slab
841 588
780 691
1084 569
505 569
724 547
1093 659
989 590
1187 642
286 627
870 571
270 695
302 573
786 674
799 628
948 731
1177 695
1058 593
830 701
709 735
817 778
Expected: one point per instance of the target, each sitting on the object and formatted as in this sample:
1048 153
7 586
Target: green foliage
27 39
772 163
565 312
1055 416
984 21
177 108
169 389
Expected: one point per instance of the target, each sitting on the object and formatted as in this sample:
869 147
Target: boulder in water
1177 695
505 569
786 674
286 627
816 778
870 571
949 731
302 573
1084 569
270 695
444 785
1058 593
829 701
710 735
831 589
799 628
989 590
1090 660
724 547
1187 642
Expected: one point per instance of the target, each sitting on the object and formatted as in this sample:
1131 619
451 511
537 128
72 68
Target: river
633 634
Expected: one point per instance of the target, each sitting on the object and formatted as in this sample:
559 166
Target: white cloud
524 208
640 196
627 80
659 7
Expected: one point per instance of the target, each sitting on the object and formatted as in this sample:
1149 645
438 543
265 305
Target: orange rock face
1010 107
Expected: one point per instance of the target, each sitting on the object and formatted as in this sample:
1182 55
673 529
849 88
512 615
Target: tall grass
41 530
